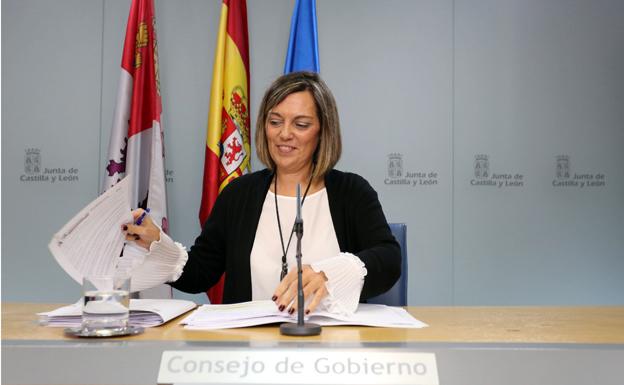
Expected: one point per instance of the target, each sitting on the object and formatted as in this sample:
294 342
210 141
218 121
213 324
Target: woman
348 251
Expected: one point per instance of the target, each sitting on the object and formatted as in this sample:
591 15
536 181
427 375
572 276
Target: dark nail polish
291 310
124 228
137 237
307 311
282 307
274 298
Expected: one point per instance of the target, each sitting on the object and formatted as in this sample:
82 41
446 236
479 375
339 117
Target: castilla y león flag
227 139
136 142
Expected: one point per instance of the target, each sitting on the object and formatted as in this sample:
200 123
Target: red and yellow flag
227 139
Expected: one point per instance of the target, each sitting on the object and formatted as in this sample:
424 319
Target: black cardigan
225 243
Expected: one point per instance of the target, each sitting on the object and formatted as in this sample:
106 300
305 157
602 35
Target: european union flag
302 52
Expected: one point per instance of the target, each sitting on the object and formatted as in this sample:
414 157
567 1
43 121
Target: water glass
106 302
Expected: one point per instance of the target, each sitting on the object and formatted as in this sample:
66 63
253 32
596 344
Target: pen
142 217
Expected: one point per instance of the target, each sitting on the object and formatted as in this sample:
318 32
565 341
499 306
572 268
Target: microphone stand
300 328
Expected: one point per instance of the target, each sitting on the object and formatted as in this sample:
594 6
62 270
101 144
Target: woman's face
292 131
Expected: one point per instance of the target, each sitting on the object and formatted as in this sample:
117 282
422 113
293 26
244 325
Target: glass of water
106 302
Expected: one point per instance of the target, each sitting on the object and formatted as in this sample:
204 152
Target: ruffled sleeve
345 278
163 262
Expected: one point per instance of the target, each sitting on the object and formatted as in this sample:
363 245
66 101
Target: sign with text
297 367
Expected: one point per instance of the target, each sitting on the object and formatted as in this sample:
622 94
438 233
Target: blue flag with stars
302 52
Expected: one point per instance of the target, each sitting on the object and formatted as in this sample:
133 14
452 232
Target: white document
265 312
143 312
91 242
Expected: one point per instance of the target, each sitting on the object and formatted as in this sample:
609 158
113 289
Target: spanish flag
227 139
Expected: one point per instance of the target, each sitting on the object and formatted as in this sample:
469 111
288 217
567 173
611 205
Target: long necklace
279 225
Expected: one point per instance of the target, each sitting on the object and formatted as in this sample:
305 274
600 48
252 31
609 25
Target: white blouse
345 272
319 249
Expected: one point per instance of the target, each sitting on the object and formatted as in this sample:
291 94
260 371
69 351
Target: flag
227 139
302 52
136 143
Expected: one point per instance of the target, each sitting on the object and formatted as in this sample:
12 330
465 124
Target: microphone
300 328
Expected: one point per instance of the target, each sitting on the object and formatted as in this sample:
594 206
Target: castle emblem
32 161
563 167
140 42
481 166
395 165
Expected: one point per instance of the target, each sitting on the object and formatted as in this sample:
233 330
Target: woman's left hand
313 287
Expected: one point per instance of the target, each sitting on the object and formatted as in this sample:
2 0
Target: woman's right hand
143 234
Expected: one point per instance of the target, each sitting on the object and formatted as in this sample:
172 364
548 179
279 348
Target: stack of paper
91 242
265 312
143 312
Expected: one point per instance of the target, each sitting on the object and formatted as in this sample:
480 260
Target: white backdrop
459 114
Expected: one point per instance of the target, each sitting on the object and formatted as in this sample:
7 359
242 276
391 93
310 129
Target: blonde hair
329 146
